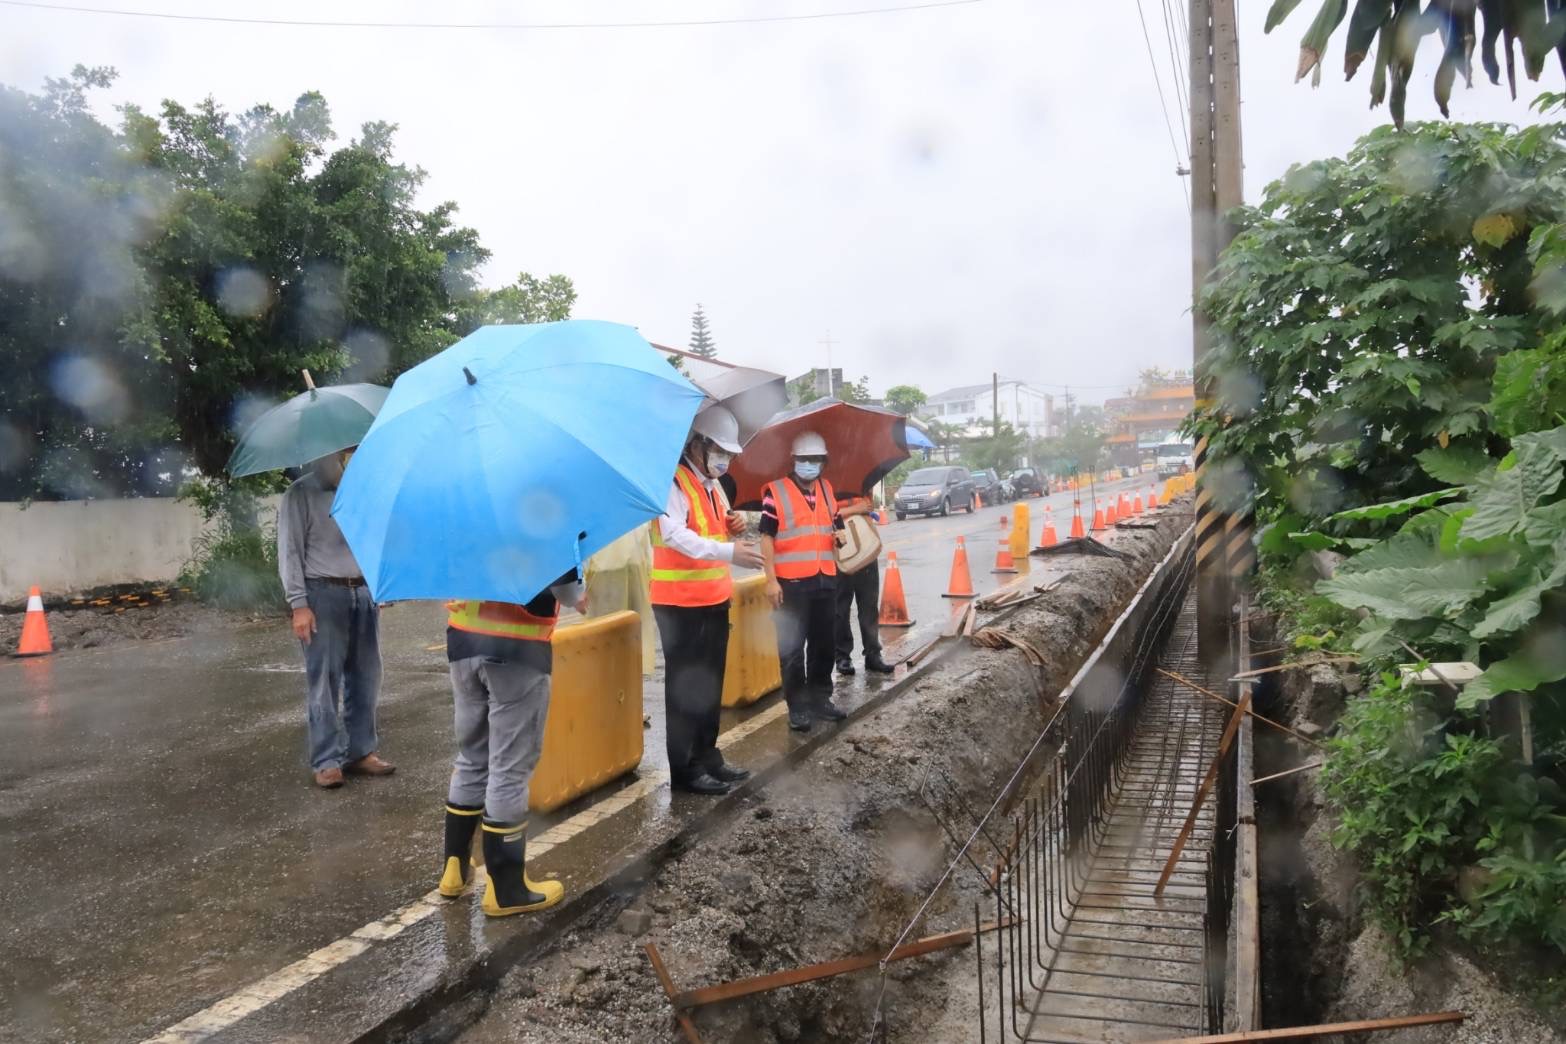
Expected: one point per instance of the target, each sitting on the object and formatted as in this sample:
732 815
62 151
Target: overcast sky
947 191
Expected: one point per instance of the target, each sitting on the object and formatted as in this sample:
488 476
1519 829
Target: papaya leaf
1391 508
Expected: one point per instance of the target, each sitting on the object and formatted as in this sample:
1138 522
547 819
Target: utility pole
1216 187
995 402
827 340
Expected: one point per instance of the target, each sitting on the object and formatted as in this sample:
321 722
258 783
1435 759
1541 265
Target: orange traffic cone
1099 524
35 628
1003 560
961 584
1110 517
1152 496
1047 537
978 500
1136 505
1123 511
1077 532
894 607
884 514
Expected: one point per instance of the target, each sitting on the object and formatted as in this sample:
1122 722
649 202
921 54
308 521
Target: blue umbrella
497 465
918 439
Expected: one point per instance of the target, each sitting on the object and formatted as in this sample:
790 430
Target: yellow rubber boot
457 866
508 890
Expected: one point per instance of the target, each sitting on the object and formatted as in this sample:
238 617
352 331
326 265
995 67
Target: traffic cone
1003 560
35 628
978 499
1110 517
1152 496
1099 525
884 515
1047 537
961 584
1077 532
894 607
1136 505
1124 511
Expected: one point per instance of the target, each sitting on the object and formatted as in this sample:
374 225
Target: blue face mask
718 463
807 470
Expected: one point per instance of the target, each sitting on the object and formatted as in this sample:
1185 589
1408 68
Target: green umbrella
307 427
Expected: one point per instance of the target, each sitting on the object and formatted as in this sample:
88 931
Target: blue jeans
343 674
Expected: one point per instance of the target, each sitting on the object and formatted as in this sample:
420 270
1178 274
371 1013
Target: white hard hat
809 444
719 425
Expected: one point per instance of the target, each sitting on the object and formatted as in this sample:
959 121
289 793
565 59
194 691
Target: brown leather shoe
370 765
329 778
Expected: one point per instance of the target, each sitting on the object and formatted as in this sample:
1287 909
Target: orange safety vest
678 579
500 620
806 543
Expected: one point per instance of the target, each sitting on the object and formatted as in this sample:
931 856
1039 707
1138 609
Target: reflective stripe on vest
806 542
678 579
500 620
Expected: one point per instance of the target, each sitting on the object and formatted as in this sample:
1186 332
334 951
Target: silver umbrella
753 396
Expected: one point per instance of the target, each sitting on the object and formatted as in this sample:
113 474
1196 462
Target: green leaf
1519 673
1279 10
1546 526
1503 498
1311 541
1454 465
1392 508
1411 594
1515 611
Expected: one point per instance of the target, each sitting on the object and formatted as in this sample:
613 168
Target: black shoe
826 710
799 720
729 774
878 665
702 784
845 665
457 862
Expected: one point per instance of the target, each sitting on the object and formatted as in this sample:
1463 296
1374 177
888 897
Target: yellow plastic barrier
594 730
1020 524
752 669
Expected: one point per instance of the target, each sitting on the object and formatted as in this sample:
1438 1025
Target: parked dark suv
988 485
934 491
1025 482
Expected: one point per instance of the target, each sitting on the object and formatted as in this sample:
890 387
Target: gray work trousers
500 712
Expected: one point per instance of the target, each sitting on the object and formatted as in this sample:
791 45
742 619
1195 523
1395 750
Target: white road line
252 998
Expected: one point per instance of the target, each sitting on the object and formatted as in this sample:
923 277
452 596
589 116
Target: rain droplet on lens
244 293
91 385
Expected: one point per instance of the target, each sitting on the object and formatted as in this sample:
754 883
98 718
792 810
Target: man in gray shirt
337 625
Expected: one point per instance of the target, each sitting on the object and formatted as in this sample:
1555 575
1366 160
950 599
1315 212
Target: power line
1162 104
1182 93
687 23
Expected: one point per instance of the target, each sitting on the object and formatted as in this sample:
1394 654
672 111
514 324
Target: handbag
858 544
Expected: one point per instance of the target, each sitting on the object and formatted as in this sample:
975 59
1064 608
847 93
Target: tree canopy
904 398
163 280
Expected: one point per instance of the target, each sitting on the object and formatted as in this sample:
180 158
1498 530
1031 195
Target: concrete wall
75 545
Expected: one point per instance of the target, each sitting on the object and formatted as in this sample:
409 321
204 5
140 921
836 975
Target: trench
983 789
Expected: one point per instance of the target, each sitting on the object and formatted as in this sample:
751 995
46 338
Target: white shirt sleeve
684 539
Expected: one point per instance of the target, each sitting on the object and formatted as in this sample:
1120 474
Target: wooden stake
1188 683
1288 772
1201 792
309 381
1312 1032
824 970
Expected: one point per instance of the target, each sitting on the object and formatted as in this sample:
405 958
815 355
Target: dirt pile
113 615
834 858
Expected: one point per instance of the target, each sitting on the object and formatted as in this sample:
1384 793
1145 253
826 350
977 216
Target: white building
1026 409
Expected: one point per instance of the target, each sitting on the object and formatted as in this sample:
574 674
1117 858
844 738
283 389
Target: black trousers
865 588
805 623
695 653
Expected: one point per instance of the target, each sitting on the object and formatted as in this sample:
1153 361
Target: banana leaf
1368 18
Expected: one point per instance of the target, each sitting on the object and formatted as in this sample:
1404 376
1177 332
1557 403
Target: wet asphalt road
162 846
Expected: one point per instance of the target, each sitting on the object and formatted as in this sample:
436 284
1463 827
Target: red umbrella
863 444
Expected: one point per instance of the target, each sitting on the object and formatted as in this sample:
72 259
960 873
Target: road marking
252 998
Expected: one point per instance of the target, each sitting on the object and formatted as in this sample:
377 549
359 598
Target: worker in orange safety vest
692 549
799 523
